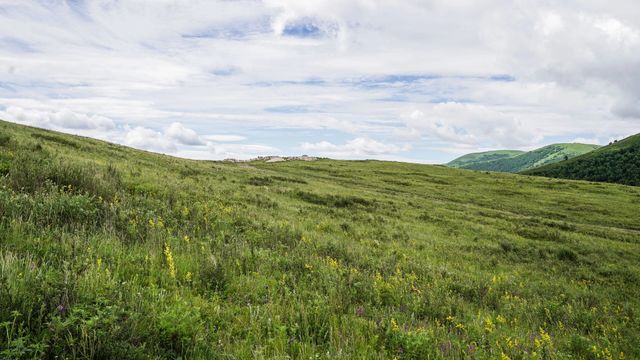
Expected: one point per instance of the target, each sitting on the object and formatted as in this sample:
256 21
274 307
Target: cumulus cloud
167 141
357 146
148 139
182 135
58 120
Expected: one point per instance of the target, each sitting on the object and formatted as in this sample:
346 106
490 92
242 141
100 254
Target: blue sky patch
309 28
292 109
15 45
224 71
503 77
238 31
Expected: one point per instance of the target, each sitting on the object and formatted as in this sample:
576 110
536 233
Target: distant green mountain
618 162
483 157
546 155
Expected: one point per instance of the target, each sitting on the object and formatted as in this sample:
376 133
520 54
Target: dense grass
108 252
545 155
618 162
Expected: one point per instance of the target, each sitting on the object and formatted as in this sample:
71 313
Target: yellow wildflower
332 262
170 263
545 336
489 325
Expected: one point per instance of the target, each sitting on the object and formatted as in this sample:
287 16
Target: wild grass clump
5 140
337 201
30 173
58 139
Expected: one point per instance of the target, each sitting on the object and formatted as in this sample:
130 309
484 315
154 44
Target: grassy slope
146 255
539 157
617 163
483 157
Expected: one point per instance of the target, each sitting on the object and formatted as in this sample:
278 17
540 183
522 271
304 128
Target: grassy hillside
109 252
546 155
616 163
483 157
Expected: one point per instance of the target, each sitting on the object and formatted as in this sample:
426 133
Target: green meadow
109 252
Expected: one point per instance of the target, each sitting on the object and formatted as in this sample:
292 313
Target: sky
404 80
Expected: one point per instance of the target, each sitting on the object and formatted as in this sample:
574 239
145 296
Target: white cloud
357 146
224 138
167 141
246 67
182 135
617 31
147 139
241 151
57 120
472 124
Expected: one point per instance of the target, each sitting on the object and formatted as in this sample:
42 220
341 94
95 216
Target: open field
107 252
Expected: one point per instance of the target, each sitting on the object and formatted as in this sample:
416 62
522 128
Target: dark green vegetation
483 157
546 155
617 163
109 252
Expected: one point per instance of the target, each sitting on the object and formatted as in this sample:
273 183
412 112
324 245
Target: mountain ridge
527 160
618 162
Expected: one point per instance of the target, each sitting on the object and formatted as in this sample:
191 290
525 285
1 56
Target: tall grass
140 256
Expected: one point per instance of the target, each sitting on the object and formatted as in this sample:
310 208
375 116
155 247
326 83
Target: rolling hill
483 157
110 252
618 162
535 158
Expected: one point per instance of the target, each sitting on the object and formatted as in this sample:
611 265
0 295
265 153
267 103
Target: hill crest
526 160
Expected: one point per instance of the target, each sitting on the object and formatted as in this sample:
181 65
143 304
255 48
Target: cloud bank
417 79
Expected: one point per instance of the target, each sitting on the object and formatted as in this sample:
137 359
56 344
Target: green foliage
523 161
336 201
108 252
483 157
30 173
5 139
615 163
56 139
